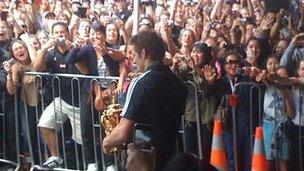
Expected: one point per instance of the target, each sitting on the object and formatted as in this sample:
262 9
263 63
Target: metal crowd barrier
198 121
65 151
7 159
79 163
234 119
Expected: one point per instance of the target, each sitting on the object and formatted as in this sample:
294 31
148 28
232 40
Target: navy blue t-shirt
157 97
56 63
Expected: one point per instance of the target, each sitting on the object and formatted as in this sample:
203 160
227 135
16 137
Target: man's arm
39 61
120 134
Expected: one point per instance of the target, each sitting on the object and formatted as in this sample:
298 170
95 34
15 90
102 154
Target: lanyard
232 84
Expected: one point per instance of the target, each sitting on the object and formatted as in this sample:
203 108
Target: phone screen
143 136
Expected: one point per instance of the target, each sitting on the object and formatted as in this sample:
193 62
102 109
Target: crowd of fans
214 43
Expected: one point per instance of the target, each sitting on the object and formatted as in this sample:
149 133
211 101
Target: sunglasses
232 62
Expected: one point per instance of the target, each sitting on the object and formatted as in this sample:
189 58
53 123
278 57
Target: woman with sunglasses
223 90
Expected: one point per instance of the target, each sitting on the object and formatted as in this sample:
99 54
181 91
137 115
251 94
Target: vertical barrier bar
183 132
17 130
3 125
38 132
101 149
27 127
74 116
136 17
92 117
300 139
61 123
198 120
39 78
234 119
234 132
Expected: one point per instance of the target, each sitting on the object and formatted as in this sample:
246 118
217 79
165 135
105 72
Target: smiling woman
20 53
18 82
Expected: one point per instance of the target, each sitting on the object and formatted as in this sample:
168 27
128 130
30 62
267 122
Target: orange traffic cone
259 162
218 155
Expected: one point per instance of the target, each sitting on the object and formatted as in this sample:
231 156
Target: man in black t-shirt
157 97
52 58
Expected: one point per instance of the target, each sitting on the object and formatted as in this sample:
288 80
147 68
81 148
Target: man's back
161 97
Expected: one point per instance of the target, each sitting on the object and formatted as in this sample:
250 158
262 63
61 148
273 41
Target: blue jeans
243 146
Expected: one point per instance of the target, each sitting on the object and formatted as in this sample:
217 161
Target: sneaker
92 167
53 162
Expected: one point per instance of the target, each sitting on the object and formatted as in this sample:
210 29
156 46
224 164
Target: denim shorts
283 143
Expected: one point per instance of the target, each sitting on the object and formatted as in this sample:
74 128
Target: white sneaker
110 168
53 162
92 167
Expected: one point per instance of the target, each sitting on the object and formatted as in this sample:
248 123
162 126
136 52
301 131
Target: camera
81 12
147 2
229 46
212 26
61 41
181 58
189 3
240 71
143 136
285 13
17 2
244 21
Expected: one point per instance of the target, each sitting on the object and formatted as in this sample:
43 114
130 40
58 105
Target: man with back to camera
156 97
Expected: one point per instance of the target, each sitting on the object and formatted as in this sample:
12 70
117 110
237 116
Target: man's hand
140 160
101 48
52 41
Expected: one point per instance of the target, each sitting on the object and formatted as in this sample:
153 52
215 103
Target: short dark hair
204 48
234 54
60 24
98 27
151 42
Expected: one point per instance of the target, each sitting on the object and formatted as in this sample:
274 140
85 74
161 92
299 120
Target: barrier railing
198 120
76 95
234 118
10 154
66 148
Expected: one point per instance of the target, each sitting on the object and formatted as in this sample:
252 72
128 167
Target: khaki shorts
55 115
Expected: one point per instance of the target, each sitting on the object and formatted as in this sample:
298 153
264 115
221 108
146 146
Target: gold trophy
110 118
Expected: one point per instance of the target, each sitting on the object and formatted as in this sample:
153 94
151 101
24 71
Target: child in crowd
278 109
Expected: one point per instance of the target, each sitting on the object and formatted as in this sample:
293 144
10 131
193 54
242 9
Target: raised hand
52 41
100 48
209 73
266 23
7 66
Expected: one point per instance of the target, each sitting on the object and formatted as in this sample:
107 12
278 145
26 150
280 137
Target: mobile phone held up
143 135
